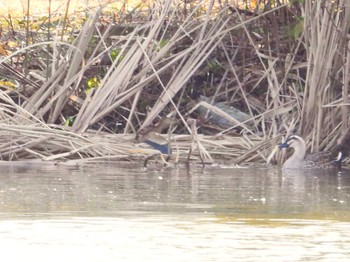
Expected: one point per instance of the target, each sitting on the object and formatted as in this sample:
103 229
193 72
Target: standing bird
301 160
151 135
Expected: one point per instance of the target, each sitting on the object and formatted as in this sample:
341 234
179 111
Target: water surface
107 213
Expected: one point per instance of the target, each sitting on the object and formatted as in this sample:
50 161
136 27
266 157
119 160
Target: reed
282 82
325 43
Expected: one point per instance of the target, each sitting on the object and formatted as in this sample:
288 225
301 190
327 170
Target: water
105 213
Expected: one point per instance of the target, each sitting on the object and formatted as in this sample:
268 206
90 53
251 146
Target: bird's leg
147 158
165 162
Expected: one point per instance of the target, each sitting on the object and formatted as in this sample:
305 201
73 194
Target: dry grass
282 90
52 143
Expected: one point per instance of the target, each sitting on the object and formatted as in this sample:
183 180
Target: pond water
106 213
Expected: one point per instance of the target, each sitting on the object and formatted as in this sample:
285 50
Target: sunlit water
105 213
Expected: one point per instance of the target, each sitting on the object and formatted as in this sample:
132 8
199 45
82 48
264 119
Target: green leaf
69 121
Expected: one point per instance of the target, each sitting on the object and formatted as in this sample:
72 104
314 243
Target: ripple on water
104 213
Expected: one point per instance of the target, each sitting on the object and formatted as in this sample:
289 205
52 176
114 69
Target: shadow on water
227 192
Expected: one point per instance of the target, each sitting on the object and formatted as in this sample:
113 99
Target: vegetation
86 88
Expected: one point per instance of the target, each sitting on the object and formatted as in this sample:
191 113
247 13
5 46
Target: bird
301 160
343 143
151 135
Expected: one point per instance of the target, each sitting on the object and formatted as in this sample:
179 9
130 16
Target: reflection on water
104 213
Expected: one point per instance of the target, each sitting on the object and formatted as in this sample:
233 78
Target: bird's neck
299 152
